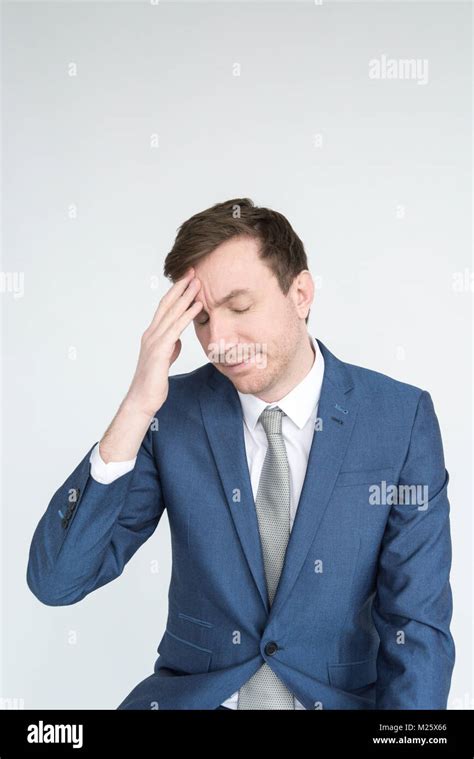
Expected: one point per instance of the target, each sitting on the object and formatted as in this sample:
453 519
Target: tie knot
271 420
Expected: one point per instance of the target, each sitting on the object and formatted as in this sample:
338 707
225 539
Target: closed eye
235 310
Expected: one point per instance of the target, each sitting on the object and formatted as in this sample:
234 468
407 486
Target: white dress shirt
300 406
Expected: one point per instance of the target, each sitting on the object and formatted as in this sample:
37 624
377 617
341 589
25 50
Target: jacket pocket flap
354 674
182 655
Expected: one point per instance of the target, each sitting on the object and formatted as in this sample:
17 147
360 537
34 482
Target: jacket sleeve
413 601
90 530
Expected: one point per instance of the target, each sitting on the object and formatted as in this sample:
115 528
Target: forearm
90 530
123 437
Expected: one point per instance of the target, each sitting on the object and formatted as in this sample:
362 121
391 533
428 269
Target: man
307 497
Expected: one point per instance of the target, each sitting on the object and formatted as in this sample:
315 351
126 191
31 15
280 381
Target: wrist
133 408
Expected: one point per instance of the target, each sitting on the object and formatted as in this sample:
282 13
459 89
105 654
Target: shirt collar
298 404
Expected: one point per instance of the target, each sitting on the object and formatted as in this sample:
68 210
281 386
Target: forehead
233 265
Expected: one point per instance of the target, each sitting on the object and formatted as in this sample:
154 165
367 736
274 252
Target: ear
303 293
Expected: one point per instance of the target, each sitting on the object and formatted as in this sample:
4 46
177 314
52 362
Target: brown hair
199 235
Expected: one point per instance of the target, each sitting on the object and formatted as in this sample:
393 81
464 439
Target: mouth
240 365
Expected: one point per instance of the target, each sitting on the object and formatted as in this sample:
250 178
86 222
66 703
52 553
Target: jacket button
270 648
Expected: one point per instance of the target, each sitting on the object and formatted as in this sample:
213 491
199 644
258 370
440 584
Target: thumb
177 350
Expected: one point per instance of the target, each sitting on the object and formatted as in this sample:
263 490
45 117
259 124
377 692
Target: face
255 337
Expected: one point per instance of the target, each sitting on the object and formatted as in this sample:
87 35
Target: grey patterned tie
264 690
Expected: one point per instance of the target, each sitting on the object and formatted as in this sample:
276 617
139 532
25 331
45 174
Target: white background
374 176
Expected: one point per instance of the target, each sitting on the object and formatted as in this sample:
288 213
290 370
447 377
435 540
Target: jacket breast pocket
354 674
365 498
364 477
182 655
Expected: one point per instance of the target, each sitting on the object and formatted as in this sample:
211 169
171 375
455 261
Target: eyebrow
233 294
229 296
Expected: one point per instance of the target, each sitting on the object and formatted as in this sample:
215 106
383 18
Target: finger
178 325
178 308
171 296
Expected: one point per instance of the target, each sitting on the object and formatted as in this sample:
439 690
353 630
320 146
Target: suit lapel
336 414
223 421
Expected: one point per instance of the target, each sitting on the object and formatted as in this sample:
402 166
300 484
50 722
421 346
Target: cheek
199 332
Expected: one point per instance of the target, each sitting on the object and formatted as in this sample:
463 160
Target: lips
246 362
237 363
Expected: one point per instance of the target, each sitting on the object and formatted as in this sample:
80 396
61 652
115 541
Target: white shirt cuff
107 473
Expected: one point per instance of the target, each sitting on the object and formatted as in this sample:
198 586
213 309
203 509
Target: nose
221 341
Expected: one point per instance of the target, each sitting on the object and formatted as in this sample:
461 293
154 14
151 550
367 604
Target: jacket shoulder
196 377
370 381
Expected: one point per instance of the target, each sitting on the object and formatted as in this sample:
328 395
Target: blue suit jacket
362 612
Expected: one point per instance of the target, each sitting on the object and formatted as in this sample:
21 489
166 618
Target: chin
250 385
